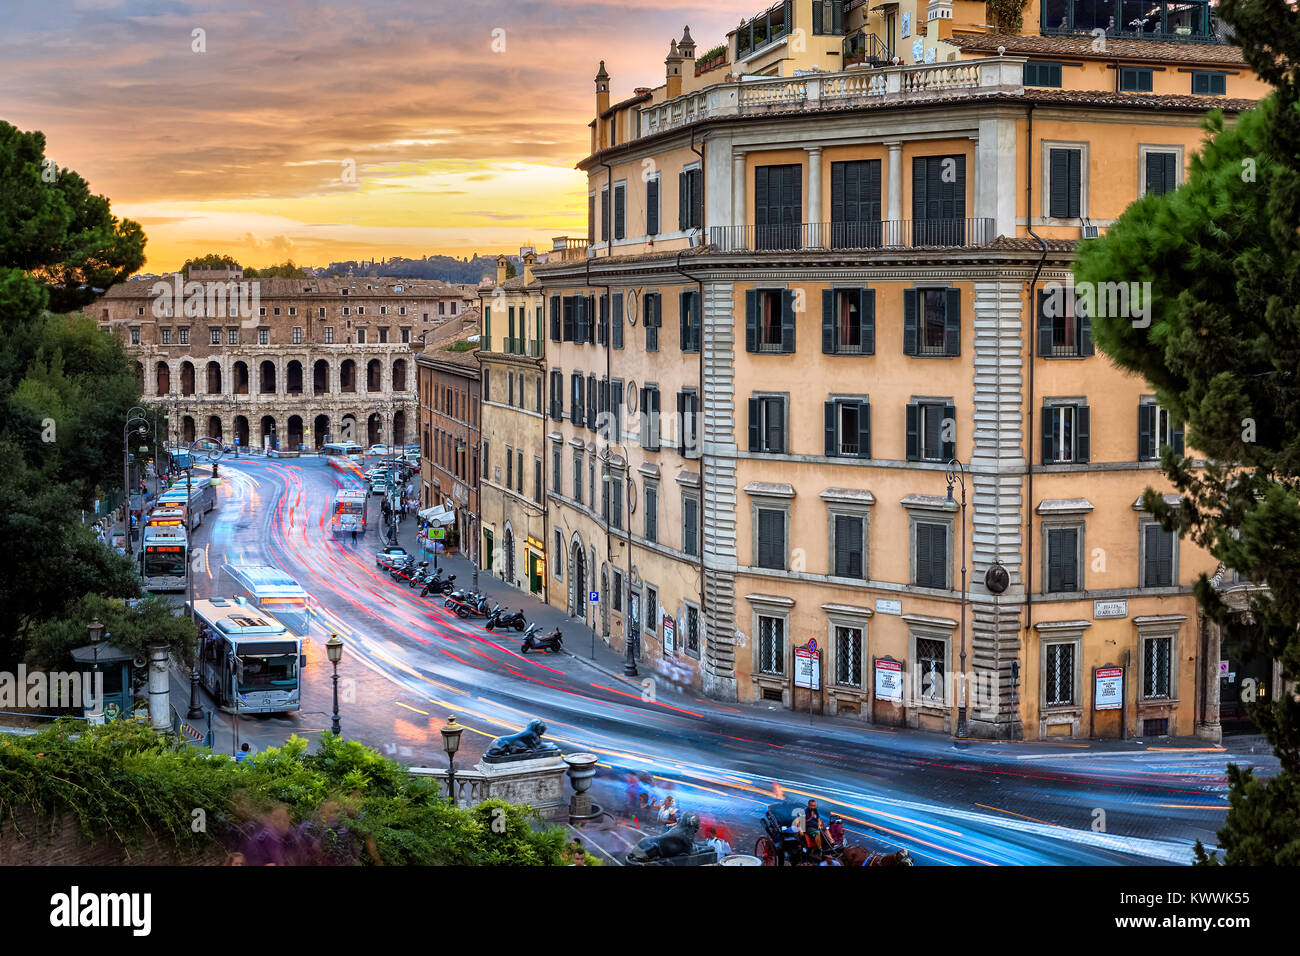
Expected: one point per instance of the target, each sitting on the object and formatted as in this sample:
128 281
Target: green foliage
285 271
1007 15
213 260
122 782
707 55
462 346
55 230
511 271
153 621
1222 254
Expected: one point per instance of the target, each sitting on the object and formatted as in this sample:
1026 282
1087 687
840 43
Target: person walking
354 533
720 846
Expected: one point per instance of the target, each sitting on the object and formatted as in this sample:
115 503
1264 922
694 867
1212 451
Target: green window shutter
1179 442
618 321
830 429
1044 325
864 429
952 323
1082 433
1050 436
913 433
1146 432
751 321
828 321
1085 330
909 321
683 202
652 206
923 556
949 450
787 321
867 316
754 416
775 438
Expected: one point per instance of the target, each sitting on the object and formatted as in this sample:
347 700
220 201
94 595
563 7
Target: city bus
350 511
340 453
168 516
164 558
198 500
274 591
248 661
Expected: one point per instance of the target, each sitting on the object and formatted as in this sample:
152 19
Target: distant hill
446 268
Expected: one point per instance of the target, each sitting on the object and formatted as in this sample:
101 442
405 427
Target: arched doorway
241 431
508 555
320 430
267 436
320 377
374 375
267 375
241 378
293 377
214 378
214 427
399 429
374 429
348 376
187 428
399 375
163 379
295 432
578 580
187 378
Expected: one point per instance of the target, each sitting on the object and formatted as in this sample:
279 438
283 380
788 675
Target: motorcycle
407 570
424 575
504 620
466 604
438 584
534 640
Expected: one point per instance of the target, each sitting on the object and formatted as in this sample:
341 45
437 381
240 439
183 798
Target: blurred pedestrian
720 846
244 753
668 813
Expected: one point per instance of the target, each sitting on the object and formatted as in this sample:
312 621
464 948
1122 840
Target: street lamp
957 474
96 631
135 416
451 732
334 648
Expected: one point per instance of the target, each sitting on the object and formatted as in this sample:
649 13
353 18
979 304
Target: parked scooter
466 604
438 584
504 620
403 569
534 640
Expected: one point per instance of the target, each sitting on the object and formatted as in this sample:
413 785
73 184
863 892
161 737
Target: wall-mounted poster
907 25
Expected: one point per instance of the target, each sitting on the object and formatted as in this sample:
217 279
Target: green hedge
125 783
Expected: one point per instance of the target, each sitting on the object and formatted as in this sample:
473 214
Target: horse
857 856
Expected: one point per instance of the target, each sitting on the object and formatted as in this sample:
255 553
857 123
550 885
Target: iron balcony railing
880 234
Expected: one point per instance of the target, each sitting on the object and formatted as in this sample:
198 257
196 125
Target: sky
334 130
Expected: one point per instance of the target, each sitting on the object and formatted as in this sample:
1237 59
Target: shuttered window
1062 560
691 525
771 538
591 220
1064 328
577 477
557 394
688 423
931 555
848 429
1161 172
932 322
690 321
778 206
652 206
770 321
651 517
1065 185
767 424
616 304
1158 557
592 420
620 210
1135 80
555 318
1155 430
855 204
569 328
604 214
1066 434
577 406
557 469
939 200
653 307
689 196
849 321
649 418
1208 83
926 439
848 546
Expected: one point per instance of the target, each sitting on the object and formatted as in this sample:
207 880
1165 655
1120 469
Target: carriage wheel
765 850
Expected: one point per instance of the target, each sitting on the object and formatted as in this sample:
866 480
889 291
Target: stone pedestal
539 783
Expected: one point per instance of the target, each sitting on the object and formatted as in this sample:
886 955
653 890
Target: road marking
409 707
1014 814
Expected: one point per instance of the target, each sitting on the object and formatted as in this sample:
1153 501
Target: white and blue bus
341 452
198 500
164 558
274 591
248 661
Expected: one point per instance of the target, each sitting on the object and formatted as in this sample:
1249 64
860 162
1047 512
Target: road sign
807 668
594 597
812 645
437 534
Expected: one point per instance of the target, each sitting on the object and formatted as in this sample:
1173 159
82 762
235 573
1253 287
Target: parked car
390 556
377 450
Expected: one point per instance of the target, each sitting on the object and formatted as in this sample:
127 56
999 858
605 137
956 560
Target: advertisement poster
1109 691
668 627
889 681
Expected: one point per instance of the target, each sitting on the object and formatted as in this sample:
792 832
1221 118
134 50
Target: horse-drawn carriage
784 844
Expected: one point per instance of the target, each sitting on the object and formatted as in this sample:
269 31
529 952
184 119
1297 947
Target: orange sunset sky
242 148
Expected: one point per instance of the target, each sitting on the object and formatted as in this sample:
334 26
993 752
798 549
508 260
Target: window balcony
885 234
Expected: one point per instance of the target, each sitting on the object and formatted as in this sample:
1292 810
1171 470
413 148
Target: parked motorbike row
465 604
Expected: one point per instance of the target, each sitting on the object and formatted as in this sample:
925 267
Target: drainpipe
699 283
609 390
1033 355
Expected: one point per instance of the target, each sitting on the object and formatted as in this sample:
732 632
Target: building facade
278 363
830 411
512 356
450 437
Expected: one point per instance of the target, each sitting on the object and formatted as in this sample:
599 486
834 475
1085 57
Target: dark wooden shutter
602 328
1044 324
1170 171
751 321
867 316
683 322
618 321
920 191
604 214
590 312
1050 434
654 419
913 433
652 207
949 450
620 210
1146 432
1180 446
591 219
681 422
1065 186
787 321
848 546
828 322
1082 433
830 410
591 402
1085 329
864 429
755 438
775 438
683 202
1165 567
909 321
771 538
555 318
952 324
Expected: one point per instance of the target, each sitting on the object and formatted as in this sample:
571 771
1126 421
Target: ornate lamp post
957 474
334 648
96 631
136 416
451 732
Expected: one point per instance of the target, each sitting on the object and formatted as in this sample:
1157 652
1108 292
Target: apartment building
277 363
450 436
512 357
828 408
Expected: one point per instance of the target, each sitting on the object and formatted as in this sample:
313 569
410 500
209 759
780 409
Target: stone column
160 717
1207 721
813 215
737 187
894 209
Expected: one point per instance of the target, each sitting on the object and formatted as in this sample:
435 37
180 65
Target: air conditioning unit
1091 232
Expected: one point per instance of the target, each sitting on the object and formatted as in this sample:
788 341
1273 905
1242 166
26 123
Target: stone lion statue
527 742
679 841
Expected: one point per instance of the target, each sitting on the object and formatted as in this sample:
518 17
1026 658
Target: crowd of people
645 811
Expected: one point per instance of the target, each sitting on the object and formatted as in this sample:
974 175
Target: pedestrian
721 846
244 753
354 533
668 814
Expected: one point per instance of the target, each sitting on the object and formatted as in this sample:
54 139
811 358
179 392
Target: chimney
530 259
501 269
686 47
674 75
602 90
